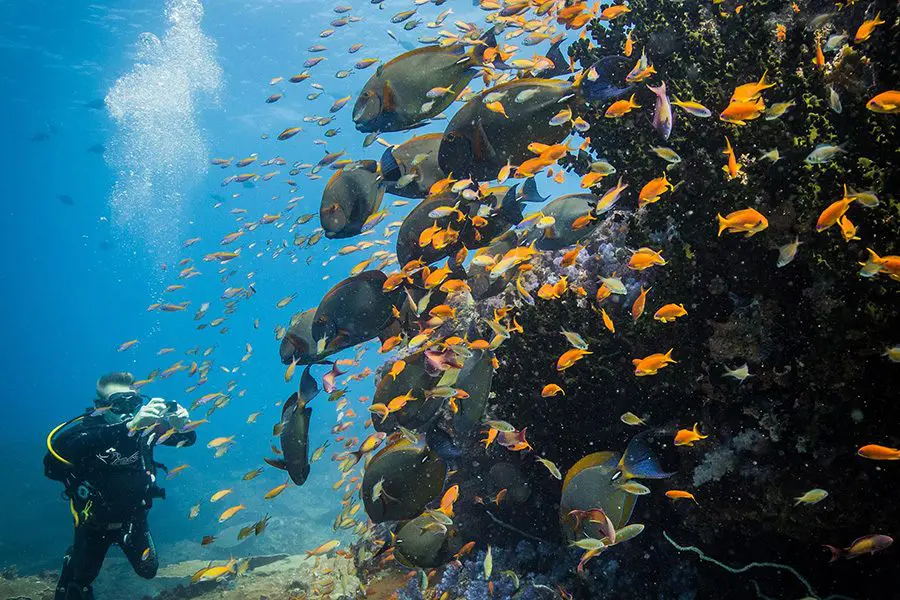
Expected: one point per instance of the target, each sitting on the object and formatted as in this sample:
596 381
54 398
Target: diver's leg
82 564
137 544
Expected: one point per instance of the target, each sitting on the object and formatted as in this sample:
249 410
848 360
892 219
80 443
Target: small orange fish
886 102
751 91
865 30
687 437
748 221
738 113
819 59
637 308
397 368
681 495
670 312
629 44
876 452
570 357
834 212
448 499
550 390
620 108
733 167
654 188
650 365
607 321
644 258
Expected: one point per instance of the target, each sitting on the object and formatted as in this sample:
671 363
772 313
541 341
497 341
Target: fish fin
481 147
603 87
835 552
560 64
390 170
388 98
308 389
530 192
723 224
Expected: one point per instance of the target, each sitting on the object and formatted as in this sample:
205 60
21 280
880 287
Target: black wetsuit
111 486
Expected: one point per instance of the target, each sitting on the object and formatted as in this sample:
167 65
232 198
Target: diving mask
124 403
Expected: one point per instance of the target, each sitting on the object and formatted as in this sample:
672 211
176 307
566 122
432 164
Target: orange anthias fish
876 452
644 258
570 357
637 309
448 499
550 390
834 212
733 167
738 113
650 365
621 107
687 437
865 30
748 221
886 102
751 91
681 495
669 313
654 188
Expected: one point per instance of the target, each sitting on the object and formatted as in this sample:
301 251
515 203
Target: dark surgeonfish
475 378
351 196
411 168
295 417
565 210
396 96
298 344
426 542
413 379
400 480
478 141
501 208
354 311
479 278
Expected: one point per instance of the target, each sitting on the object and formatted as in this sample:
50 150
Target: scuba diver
104 458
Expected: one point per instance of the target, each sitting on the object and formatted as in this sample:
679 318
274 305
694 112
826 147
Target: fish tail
530 191
835 553
602 88
723 224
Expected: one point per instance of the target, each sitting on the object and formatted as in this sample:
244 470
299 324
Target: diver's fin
388 98
560 63
530 192
390 170
603 88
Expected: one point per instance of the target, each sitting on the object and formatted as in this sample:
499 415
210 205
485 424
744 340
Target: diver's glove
149 414
179 417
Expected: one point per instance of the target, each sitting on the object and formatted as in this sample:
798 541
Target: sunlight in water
159 151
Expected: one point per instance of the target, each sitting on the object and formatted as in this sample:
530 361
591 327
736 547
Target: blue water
78 277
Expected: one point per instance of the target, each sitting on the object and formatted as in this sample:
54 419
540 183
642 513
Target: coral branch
753 565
